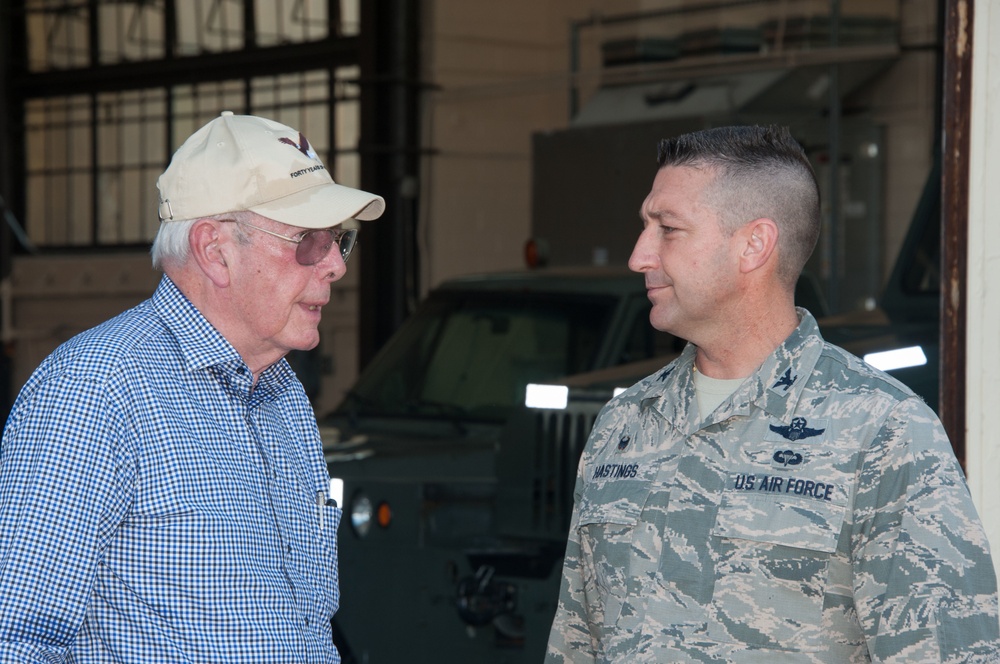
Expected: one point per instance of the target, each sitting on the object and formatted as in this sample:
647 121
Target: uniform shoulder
849 372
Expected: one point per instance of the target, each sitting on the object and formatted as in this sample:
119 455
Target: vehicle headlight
546 396
361 515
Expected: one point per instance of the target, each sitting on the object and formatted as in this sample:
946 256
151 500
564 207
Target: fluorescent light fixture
546 396
900 358
618 390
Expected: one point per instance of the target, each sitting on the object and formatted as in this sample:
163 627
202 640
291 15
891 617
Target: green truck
429 571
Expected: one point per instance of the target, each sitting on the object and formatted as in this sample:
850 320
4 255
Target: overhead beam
270 61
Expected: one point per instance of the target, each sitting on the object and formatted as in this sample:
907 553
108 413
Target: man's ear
208 249
761 237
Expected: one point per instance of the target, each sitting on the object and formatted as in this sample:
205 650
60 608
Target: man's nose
333 266
643 256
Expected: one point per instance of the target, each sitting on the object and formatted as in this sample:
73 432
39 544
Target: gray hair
171 242
760 172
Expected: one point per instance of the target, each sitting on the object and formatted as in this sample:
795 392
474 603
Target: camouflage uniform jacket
818 515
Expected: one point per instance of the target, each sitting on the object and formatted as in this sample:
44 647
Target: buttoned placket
251 398
279 478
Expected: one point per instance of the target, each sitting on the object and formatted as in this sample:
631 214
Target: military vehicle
426 574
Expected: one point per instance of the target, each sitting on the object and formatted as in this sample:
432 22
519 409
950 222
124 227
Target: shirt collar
202 346
783 375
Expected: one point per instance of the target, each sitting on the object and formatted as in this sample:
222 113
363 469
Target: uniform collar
775 387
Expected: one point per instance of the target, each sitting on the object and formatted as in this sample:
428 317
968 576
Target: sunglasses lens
314 246
347 241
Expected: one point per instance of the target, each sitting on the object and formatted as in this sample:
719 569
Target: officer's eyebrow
658 215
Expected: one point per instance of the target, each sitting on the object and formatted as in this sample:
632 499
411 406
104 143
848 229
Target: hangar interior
482 124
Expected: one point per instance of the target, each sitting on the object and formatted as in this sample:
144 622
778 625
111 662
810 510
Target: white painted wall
983 324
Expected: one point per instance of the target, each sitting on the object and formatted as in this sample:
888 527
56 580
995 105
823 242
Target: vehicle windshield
469 356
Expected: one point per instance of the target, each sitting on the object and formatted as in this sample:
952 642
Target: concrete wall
500 71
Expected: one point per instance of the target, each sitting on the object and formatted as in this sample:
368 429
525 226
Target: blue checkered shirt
155 506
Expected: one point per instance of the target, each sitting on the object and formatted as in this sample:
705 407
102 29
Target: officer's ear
759 243
209 246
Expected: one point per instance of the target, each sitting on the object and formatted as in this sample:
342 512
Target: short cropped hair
171 242
760 172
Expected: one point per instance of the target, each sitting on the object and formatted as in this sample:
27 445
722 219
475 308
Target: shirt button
241 371
289 548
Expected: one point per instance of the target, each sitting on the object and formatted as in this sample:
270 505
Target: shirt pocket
772 556
329 572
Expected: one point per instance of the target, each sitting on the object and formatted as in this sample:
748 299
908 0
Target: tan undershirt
713 391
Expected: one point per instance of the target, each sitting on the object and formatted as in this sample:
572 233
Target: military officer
781 501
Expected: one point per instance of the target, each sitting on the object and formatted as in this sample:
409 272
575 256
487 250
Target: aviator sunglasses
314 245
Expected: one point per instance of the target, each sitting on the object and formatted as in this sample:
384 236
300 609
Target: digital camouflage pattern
818 515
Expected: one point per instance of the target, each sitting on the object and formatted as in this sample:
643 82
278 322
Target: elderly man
163 493
787 502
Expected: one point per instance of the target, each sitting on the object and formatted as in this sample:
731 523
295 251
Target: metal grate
561 437
70 33
92 157
536 469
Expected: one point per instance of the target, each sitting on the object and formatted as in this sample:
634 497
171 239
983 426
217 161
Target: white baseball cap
243 162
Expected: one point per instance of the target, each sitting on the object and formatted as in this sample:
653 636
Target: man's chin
307 342
663 322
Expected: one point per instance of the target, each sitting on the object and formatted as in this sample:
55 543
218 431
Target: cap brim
323 206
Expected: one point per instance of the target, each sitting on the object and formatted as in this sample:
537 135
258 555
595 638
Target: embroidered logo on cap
302 146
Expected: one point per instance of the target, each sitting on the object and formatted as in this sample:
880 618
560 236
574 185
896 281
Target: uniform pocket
772 554
803 524
608 517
